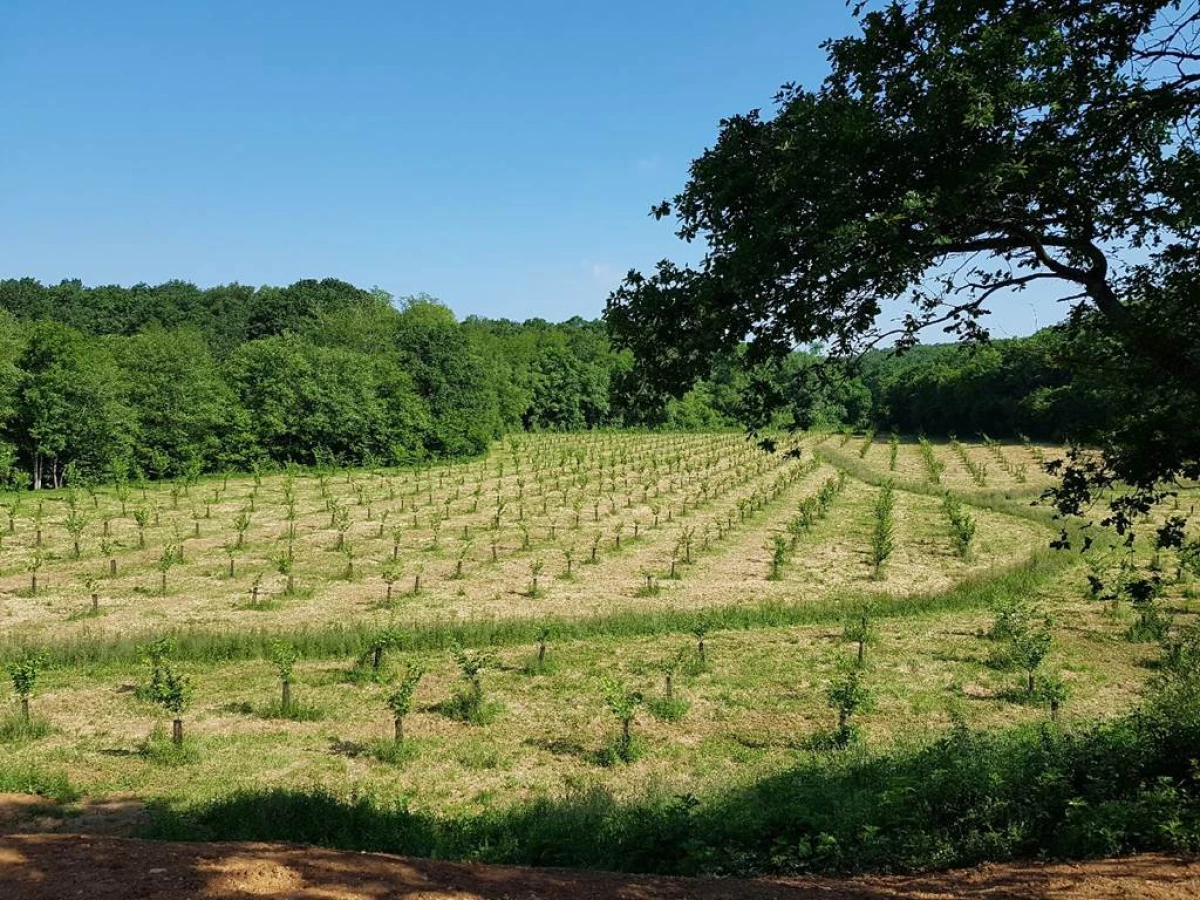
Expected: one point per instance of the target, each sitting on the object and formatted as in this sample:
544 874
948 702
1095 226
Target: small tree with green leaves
75 523
400 700
1028 648
169 557
34 565
1023 632
283 657
535 570
107 550
384 639
848 695
24 674
241 524
860 630
469 702
779 551
285 565
173 692
884 528
623 704
141 517
1054 692
390 573
91 584
962 525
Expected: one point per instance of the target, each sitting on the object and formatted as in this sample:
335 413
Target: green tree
70 407
400 700
957 154
183 411
24 674
283 657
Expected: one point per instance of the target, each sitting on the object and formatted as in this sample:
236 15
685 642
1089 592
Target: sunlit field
714 589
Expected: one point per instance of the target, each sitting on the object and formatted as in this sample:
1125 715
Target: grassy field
643 547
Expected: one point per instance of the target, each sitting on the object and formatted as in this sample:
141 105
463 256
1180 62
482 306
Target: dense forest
169 380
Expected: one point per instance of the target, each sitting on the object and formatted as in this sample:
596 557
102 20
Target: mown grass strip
349 640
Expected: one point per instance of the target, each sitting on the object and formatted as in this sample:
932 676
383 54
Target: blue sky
500 156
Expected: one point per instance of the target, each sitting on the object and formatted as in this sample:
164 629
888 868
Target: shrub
848 695
24 674
883 531
962 525
400 700
623 704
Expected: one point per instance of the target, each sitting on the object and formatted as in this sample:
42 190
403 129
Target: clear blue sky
501 156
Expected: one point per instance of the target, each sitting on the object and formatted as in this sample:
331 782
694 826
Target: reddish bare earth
58 866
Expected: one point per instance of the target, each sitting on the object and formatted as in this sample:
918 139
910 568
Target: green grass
737 773
1100 789
352 640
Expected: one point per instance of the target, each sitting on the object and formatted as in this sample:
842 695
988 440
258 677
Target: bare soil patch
40 867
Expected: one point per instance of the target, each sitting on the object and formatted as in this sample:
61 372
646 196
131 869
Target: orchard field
574 622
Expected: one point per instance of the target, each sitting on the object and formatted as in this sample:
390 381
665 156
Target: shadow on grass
1104 789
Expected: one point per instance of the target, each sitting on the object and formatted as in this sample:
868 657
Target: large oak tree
958 152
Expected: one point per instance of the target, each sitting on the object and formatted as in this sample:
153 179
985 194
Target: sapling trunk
112 568
95 602
670 688
286 696
541 652
177 732
25 710
33 584
399 729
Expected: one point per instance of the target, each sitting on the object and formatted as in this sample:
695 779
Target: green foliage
962 525
171 690
24 673
1022 632
883 530
848 695
399 701
468 702
283 656
623 704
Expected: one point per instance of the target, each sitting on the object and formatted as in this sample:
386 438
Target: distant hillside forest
170 380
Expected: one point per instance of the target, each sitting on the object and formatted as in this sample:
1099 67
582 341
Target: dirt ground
58 866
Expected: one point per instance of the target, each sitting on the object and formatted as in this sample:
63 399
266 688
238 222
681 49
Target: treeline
169 380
